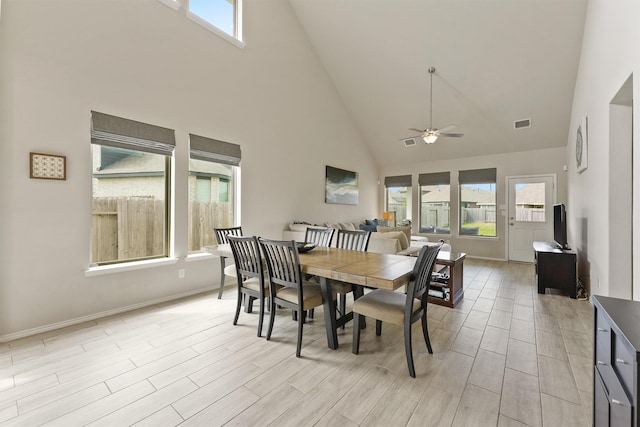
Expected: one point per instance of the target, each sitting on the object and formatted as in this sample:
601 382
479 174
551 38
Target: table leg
329 313
222 262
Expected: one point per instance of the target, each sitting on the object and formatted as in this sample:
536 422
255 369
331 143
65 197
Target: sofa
385 240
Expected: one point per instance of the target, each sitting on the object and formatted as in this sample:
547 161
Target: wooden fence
204 217
530 214
133 227
473 215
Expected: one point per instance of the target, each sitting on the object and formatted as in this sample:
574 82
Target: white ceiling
497 61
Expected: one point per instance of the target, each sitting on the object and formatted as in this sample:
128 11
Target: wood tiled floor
506 356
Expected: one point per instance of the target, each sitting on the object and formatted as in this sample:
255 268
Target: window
530 202
213 168
435 198
131 164
222 14
398 197
478 202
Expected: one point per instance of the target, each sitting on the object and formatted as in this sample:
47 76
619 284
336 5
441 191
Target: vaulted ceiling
497 61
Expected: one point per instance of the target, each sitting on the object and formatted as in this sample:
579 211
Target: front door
530 214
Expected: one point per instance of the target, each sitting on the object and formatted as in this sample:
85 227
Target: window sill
199 256
472 237
215 30
128 266
173 4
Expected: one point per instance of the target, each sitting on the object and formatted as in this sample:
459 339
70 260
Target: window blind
209 149
477 176
118 132
397 181
438 178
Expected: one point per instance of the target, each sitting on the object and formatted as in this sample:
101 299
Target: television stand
555 268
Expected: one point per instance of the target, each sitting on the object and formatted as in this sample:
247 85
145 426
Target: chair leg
343 306
378 327
222 262
248 304
407 348
425 332
272 317
238 307
261 317
358 291
301 317
355 347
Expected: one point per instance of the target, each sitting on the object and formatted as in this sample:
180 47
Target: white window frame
235 39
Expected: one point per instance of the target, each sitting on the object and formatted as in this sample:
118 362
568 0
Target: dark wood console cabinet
555 268
615 354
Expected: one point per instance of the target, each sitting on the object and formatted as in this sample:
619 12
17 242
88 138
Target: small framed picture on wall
47 166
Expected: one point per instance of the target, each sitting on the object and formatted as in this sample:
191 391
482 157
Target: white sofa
387 240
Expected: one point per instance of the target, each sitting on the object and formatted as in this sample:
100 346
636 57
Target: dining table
367 269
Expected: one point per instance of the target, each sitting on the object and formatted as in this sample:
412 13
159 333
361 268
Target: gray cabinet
615 376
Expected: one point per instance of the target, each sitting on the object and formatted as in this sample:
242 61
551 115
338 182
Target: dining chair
356 240
222 237
250 273
286 284
319 236
399 308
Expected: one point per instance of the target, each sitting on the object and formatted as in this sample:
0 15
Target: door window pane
530 199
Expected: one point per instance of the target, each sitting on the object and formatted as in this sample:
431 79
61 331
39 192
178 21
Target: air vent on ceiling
408 142
521 124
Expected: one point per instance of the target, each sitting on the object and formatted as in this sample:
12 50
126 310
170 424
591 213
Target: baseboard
90 317
486 258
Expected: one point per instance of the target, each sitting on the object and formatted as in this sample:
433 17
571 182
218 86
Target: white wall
610 55
144 61
547 161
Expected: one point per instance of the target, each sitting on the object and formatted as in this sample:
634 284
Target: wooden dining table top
375 270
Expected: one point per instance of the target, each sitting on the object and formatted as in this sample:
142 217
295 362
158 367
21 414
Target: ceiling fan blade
447 128
418 130
451 135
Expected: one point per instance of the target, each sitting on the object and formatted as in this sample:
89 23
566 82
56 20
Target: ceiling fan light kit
431 134
430 139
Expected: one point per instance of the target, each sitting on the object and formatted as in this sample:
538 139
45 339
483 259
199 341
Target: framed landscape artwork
341 186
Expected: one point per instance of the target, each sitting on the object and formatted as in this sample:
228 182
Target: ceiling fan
431 134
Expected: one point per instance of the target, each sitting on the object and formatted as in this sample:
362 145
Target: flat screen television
560 226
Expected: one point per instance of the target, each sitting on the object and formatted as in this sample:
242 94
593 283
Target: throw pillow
400 236
366 227
347 226
405 230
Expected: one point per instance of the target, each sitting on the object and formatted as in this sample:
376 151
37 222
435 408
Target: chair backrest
246 254
357 240
421 276
223 233
319 236
283 263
